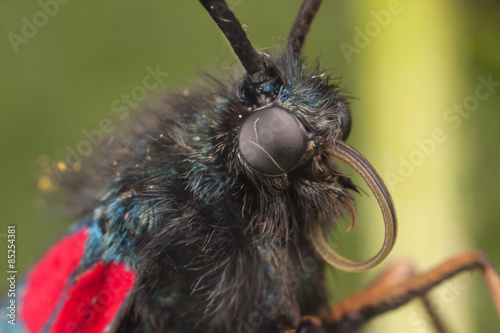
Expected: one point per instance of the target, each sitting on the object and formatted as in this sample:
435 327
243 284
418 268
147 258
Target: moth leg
393 289
398 273
357 309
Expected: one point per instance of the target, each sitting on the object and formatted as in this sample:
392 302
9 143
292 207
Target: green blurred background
407 63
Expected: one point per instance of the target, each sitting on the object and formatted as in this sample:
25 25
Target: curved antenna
302 24
232 29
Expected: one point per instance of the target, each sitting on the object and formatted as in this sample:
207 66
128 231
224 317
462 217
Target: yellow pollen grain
148 158
118 174
161 135
240 116
61 166
115 162
45 184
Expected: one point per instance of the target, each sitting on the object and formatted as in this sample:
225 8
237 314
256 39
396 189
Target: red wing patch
88 304
48 278
94 299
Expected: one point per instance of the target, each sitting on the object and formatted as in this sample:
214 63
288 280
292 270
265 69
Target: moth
203 210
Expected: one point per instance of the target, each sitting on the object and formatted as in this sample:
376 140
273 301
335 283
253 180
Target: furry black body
216 246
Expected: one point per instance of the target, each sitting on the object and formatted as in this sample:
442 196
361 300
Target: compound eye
272 141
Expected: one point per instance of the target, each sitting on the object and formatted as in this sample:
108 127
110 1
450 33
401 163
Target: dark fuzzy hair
209 238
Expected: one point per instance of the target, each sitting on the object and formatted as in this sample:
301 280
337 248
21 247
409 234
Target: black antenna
231 27
302 24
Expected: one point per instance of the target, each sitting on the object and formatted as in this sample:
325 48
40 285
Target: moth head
297 109
289 117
